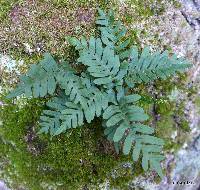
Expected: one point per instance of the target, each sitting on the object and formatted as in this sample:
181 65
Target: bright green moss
182 122
164 106
165 128
176 3
72 160
172 120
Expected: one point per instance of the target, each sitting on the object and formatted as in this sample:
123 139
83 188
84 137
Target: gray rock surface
3 186
180 29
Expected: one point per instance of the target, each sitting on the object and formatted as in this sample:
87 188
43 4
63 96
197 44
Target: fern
103 90
40 79
148 67
61 115
50 120
102 62
81 91
124 123
113 33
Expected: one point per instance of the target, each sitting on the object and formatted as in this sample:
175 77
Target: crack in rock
193 22
191 13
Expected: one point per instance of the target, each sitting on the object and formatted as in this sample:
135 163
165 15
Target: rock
180 29
3 186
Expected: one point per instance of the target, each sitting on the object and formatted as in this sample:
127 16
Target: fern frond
50 120
73 87
72 116
123 125
61 115
148 67
148 146
113 33
64 114
39 81
123 115
102 63
80 90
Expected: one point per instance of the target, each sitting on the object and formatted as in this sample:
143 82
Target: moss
48 27
128 18
165 127
6 6
124 174
176 3
164 106
145 9
197 103
71 160
184 124
172 120
66 3
60 14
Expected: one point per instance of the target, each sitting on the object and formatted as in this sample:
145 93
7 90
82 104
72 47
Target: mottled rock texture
3 186
180 29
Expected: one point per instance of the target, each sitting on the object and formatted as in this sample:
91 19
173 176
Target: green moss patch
77 158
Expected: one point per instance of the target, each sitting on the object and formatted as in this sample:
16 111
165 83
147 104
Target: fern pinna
112 67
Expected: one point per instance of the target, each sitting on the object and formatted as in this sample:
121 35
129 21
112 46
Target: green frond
64 114
113 33
81 90
73 87
124 115
148 67
102 63
72 116
123 125
61 115
39 81
50 120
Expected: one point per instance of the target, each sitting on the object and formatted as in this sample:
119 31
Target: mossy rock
70 161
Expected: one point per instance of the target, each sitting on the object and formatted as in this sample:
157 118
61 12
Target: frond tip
148 67
39 81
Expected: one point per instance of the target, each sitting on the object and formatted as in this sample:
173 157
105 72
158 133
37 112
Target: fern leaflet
113 33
